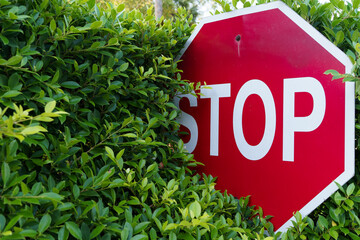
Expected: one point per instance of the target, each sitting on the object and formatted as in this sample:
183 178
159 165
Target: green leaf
5 172
151 167
4 39
123 67
12 222
63 234
4 2
50 106
119 155
91 4
29 233
39 65
14 81
333 214
339 37
65 206
24 188
76 191
44 223
127 121
195 209
131 135
173 114
52 196
323 222
70 85
350 189
113 41
110 152
139 237
140 227
152 122
172 236
95 45
85 231
332 72
338 198
33 130
74 230
356 4
44 4
234 3
52 26
96 231
297 216
6 234
354 236
357 47
121 7
12 16
56 77
36 188
10 94
126 231
96 24
349 202
2 222
153 235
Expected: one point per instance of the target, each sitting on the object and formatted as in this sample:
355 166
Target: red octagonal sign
270 124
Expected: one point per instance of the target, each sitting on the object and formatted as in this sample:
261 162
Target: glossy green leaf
30 233
52 26
33 130
195 209
124 66
52 196
4 39
172 236
63 234
96 24
2 222
113 41
50 106
12 222
110 152
96 231
76 191
10 94
14 60
44 223
74 230
5 172
140 227
350 189
339 37
70 85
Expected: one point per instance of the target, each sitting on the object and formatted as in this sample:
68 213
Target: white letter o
262 90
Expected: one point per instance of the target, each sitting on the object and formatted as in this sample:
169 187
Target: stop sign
270 123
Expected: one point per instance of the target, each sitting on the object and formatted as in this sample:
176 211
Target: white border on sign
349 93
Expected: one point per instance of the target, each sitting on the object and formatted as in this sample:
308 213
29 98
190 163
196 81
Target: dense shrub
88 137
339 21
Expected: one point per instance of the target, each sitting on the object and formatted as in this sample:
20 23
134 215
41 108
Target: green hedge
88 137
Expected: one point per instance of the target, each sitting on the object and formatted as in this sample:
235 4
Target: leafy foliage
339 21
99 156
170 7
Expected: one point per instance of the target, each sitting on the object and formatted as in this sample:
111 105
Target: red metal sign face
271 125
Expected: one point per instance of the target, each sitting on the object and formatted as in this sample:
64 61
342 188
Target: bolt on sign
270 123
